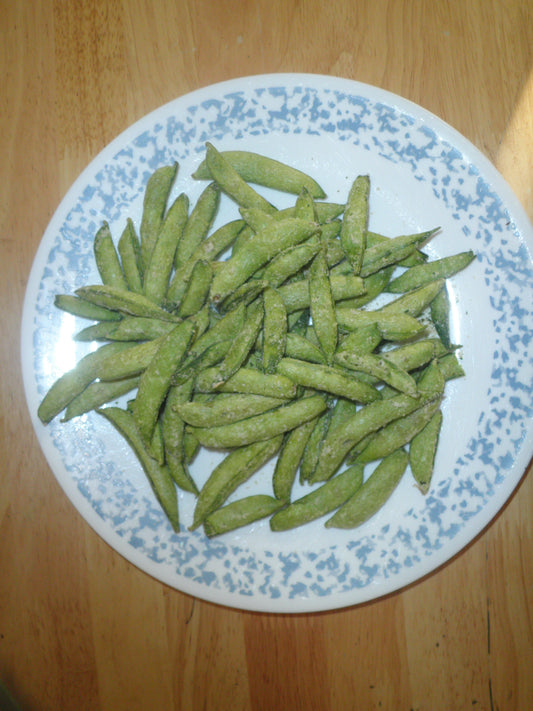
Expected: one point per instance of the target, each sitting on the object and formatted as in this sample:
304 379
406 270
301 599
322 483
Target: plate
423 174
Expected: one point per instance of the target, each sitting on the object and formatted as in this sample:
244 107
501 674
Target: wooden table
81 628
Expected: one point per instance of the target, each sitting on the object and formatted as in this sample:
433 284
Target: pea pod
321 501
261 427
240 513
236 468
289 458
249 380
197 290
422 452
380 368
173 434
123 301
373 494
155 199
386 253
198 224
274 329
129 249
97 394
355 222
158 475
225 408
322 306
84 309
422 274
106 258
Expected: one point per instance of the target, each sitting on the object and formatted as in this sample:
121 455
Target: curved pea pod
225 408
398 433
321 501
198 224
97 394
312 448
236 468
290 262
415 301
355 222
256 252
74 381
274 329
373 494
140 328
416 257
440 316
173 434
197 290
322 306
423 274
327 379
158 475
288 461
85 309
422 452
261 427
123 301
265 171
240 513
393 325
157 272
249 380
155 200
106 258
157 378
393 251
301 348
129 249
380 368
229 180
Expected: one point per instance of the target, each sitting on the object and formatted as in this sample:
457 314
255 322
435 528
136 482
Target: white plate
423 174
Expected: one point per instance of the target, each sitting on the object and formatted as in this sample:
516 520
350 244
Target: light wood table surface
80 627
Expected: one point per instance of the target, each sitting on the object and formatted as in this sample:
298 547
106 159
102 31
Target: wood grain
80 627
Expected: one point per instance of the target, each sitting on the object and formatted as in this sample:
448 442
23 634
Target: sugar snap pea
373 494
385 253
225 408
289 458
422 274
422 450
274 329
84 309
129 249
198 224
321 501
261 427
173 433
313 445
322 306
379 367
236 468
123 301
106 258
155 200
355 222
240 513
249 380
158 475
197 290
265 171
97 394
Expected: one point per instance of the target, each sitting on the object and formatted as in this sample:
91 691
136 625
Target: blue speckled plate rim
491 176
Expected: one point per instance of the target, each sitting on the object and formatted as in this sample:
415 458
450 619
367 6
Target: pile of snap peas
296 335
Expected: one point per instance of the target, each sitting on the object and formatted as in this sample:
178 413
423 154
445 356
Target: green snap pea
296 294
123 301
240 513
74 381
415 301
313 445
127 363
225 408
129 249
158 270
393 325
236 468
379 367
328 379
422 274
155 200
290 262
416 257
386 253
249 380
256 252
97 394
107 259
289 458
398 433
422 450
173 433
197 290
440 316
274 329
231 182
372 287
239 349
261 427
265 171
301 348
362 340
355 222
101 331
323 500
158 475
322 306
84 309
157 378
373 494
198 225
140 328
